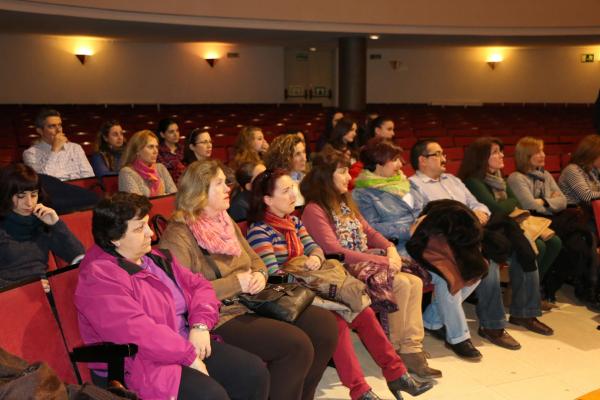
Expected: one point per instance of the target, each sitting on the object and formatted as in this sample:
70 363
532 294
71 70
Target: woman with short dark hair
129 293
206 240
29 229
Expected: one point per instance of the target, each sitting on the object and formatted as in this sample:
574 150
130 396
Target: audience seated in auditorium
289 152
140 173
250 146
336 225
129 293
205 239
331 119
343 138
240 198
428 159
53 154
383 193
281 239
170 151
29 229
106 160
198 146
481 171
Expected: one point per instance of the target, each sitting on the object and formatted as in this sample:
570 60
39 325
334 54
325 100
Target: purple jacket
122 303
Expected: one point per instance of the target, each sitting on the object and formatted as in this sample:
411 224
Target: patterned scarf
216 235
150 175
349 230
286 227
497 184
398 185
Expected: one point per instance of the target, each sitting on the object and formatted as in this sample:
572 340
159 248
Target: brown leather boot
416 363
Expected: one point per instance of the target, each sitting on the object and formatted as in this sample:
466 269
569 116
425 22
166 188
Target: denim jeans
525 301
446 310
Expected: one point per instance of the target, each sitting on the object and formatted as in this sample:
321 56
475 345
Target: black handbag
283 301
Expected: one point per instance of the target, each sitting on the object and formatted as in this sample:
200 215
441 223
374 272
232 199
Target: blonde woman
249 146
205 239
140 173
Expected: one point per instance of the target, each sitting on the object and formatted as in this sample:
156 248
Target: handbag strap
211 263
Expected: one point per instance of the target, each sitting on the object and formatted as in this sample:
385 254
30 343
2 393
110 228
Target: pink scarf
216 235
150 175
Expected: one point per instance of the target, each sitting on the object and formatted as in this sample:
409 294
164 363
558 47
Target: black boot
407 384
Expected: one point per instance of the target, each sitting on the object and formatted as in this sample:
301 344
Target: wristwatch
263 273
201 327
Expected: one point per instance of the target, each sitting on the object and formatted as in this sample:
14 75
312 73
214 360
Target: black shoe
465 350
370 395
439 333
407 384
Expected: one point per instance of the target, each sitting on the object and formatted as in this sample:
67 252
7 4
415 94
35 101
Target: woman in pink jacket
129 293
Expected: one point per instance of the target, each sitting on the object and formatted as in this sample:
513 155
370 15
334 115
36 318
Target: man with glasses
445 318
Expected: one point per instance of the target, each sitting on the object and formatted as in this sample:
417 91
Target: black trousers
296 354
234 374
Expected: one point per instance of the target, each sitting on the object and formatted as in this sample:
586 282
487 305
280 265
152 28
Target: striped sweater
271 246
578 185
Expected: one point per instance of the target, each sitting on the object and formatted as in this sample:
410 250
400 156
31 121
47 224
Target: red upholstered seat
63 284
30 330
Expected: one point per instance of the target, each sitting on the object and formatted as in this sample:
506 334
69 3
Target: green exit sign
587 58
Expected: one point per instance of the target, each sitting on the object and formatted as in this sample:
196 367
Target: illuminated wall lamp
211 61
494 60
82 53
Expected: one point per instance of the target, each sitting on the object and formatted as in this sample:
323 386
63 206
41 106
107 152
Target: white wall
460 75
43 69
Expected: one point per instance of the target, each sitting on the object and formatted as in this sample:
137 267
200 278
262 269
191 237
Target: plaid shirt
68 163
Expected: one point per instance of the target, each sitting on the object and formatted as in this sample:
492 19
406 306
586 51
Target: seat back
63 283
30 329
80 223
163 205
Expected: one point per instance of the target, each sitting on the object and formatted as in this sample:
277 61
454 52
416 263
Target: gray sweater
527 190
130 181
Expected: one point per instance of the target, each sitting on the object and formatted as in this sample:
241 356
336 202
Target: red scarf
150 175
286 227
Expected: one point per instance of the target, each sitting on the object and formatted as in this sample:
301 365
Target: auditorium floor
560 367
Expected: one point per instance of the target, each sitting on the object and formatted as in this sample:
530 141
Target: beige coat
178 238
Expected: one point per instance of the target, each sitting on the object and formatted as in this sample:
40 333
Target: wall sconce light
211 61
82 53
493 60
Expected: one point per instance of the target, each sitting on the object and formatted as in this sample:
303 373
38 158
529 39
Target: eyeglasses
438 154
204 142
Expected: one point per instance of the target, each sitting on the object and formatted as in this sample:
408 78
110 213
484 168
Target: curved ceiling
312 22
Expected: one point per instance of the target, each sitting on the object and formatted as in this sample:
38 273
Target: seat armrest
110 353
